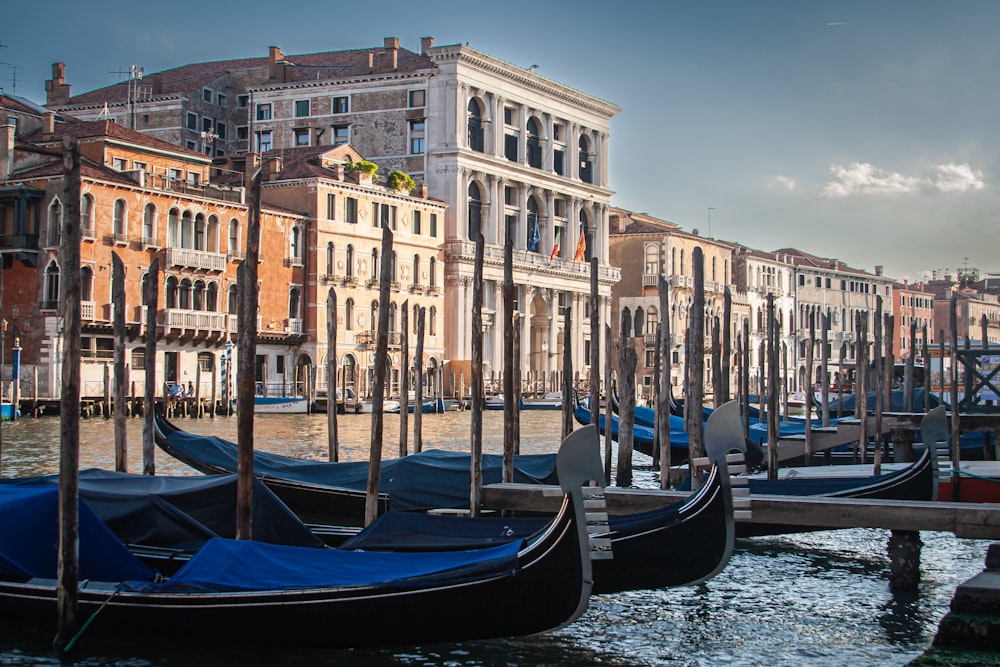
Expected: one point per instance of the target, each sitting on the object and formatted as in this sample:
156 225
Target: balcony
196 259
87 310
199 321
88 233
293 325
209 191
650 280
366 338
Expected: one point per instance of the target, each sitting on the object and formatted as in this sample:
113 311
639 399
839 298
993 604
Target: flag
534 236
555 251
581 248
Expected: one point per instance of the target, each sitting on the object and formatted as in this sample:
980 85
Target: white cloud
785 182
863 178
958 178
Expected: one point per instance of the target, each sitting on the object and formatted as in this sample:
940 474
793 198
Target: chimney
6 151
366 61
878 269
276 68
56 90
426 44
273 168
423 190
49 122
157 80
392 53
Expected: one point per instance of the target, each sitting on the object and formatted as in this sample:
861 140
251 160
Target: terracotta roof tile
105 128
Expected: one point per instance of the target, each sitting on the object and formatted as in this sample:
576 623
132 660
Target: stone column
498 108
548 232
573 152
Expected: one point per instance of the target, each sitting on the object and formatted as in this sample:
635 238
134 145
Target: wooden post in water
518 323
567 381
945 384
197 390
663 395
151 298
246 378
925 353
476 419
68 568
332 433
595 347
655 397
772 391
746 378
881 346
627 417
809 390
824 365
727 343
696 391
418 382
761 377
404 380
106 399
607 404
840 382
509 360
908 368
378 385
956 428
783 384
889 368
717 393
121 375
861 384
215 384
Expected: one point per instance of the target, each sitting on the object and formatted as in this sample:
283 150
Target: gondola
643 437
682 543
242 592
334 493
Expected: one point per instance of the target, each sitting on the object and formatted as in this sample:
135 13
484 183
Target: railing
197 320
209 191
293 325
650 280
88 233
87 310
523 259
196 259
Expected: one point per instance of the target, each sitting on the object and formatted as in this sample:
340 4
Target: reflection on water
809 599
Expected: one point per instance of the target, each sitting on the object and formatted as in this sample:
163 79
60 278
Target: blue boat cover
29 540
416 531
427 480
179 512
241 565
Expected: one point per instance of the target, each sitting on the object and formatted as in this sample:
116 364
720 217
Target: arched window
87 213
187 230
52 285
295 244
144 286
376 273
199 232
432 322
198 294
586 163
415 317
55 222
392 318
293 303
714 278
681 268
475 211
173 228
432 273
171 292
233 299
120 219
652 260
349 315
149 224
212 234
652 319
476 134
349 259
212 297
673 261
416 269
184 294
86 283
329 259
374 315
534 144
234 238
393 273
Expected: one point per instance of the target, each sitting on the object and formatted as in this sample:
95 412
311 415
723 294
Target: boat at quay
760 610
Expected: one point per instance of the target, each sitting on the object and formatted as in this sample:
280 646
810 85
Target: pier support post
904 560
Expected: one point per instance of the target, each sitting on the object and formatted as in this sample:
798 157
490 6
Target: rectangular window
828 283
242 101
341 134
417 136
220 130
190 145
819 281
508 116
263 141
510 147
206 95
383 215
242 132
416 222
351 210
121 164
174 174
558 162
193 178
340 105
300 136
264 111
192 121
301 108
434 224
220 99
509 196
206 124
417 98
331 207
139 165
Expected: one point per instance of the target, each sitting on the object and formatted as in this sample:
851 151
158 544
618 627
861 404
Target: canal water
810 599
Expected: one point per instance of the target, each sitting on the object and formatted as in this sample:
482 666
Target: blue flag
534 237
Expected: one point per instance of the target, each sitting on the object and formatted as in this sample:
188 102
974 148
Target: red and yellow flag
581 248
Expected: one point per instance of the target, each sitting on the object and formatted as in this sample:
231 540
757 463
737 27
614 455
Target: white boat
281 405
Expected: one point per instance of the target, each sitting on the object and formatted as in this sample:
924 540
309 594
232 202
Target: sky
864 131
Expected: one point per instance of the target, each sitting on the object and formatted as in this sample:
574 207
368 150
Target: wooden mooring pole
332 435
378 384
476 419
418 382
663 395
120 411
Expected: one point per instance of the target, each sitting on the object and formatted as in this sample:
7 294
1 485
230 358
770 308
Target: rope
86 625
973 475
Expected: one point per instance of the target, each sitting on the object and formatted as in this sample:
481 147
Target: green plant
361 165
400 181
